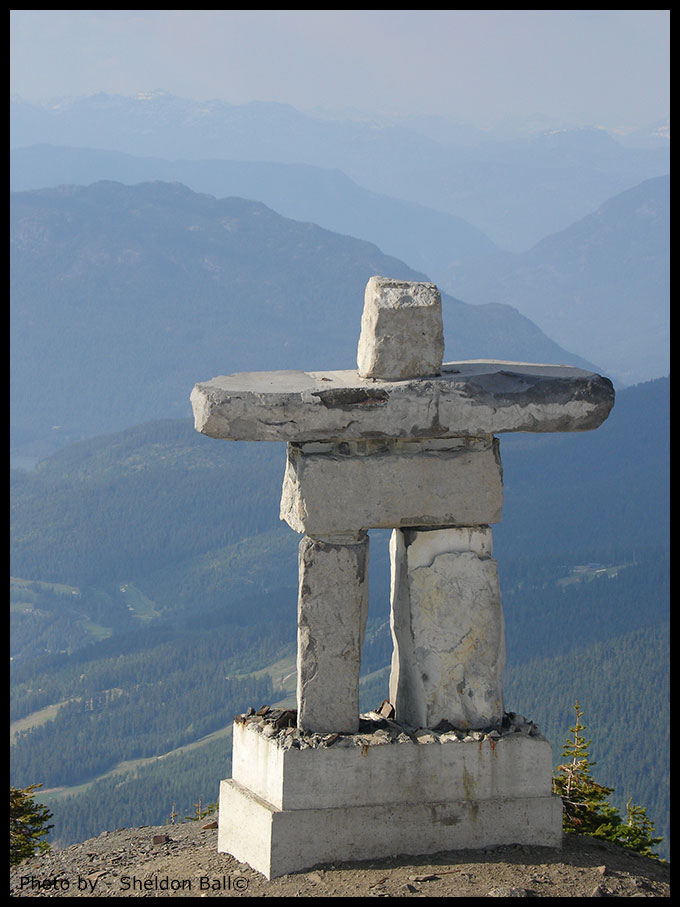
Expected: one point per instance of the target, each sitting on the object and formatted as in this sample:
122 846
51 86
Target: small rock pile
376 728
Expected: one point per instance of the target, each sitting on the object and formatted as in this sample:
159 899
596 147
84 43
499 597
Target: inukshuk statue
408 443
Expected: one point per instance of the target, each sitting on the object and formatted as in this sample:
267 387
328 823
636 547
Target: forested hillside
154 585
427 238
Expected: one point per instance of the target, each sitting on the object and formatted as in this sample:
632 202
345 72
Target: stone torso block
350 485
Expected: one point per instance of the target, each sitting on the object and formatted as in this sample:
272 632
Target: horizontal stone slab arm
468 399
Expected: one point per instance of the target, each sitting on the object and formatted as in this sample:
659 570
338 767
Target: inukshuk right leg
447 627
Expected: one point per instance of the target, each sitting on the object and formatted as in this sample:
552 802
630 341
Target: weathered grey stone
352 485
469 399
447 627
401 330
332 611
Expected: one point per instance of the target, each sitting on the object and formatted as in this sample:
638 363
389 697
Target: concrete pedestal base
288 809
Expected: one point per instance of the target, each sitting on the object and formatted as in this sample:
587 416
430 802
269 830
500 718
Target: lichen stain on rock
350 396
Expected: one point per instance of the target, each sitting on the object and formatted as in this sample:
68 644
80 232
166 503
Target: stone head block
402 335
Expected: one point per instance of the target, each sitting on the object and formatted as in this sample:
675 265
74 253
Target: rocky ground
182 861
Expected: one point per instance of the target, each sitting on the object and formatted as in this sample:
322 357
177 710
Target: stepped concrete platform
292 804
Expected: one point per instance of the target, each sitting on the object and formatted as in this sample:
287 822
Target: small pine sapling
27 824
586 808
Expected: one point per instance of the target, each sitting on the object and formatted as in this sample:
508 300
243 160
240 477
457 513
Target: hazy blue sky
598 67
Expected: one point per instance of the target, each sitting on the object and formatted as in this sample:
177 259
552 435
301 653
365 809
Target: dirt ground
182 861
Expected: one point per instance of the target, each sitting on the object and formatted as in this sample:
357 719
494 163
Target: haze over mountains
125 296
516 192
601 286
158 242
598 286
423 237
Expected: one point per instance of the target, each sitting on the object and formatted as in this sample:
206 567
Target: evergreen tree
27 824
585 801
637 833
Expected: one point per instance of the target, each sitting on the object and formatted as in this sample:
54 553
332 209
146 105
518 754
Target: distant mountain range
431 241
123 297
601 286
516 192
